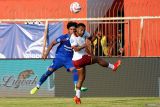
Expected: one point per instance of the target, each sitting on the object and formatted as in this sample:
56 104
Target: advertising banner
18 77
26 40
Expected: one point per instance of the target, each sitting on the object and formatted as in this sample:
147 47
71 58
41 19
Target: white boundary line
83 19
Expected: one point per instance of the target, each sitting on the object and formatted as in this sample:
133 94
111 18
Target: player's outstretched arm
44 56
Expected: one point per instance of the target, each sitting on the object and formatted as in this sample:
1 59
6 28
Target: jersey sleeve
59 39
73 41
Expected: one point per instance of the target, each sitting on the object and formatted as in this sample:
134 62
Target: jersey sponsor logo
67 47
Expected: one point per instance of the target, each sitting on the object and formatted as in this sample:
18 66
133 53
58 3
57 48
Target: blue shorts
60 62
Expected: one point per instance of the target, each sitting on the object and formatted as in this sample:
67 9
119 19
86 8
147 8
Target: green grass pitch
86 102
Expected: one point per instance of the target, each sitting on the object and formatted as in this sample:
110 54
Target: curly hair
70 24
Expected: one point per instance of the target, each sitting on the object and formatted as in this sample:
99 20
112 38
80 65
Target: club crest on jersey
67 38
58 40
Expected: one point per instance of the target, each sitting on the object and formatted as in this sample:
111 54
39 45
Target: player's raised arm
54 42
60 39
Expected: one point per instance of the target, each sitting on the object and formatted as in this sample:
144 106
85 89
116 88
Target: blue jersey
64 54
64 49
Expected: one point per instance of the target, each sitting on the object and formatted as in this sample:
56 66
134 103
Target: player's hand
44 56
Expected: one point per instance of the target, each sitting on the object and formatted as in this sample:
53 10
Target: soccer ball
75 7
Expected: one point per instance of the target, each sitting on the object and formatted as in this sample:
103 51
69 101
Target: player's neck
75 34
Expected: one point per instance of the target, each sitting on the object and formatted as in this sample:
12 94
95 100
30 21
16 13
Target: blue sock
75 76
43 78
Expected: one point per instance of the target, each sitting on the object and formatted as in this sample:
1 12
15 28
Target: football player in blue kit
63 57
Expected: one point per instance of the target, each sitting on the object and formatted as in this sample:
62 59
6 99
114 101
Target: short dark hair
70 24
81 24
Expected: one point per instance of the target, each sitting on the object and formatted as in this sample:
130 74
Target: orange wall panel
40 9
150 45
36 9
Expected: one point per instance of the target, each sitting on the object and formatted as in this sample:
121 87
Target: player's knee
99 60
51 69
72 69
48 73
95 59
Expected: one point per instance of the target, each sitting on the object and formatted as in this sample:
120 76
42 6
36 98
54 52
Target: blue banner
26 40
